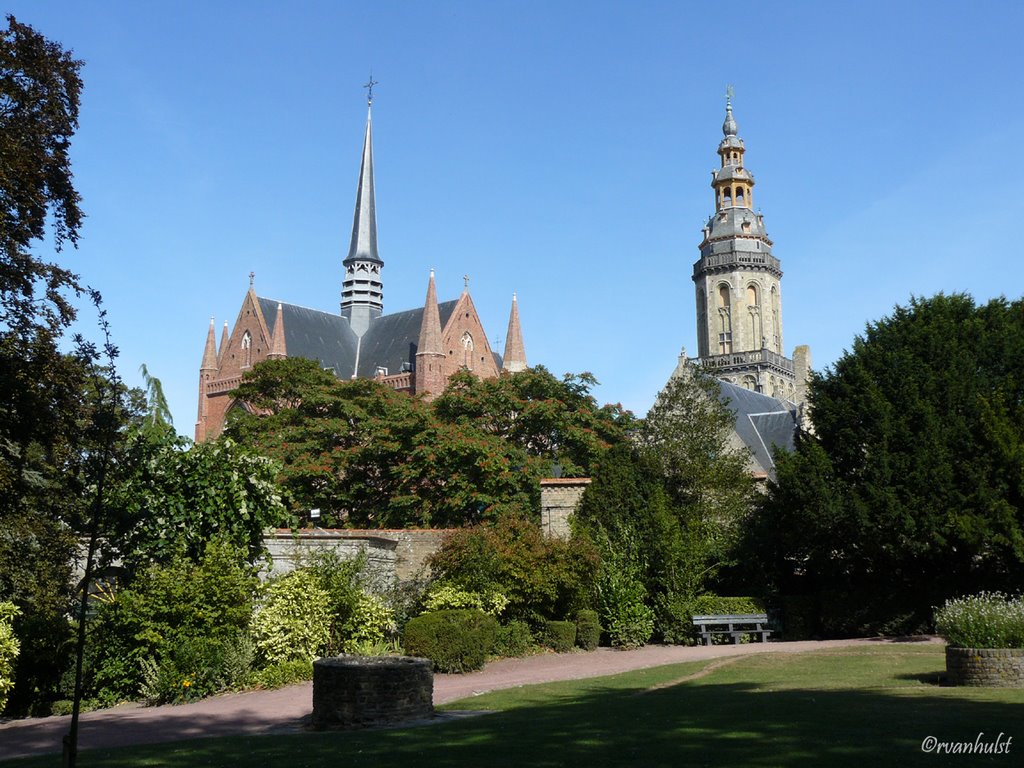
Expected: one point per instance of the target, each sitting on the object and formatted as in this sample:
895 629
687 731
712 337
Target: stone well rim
355 660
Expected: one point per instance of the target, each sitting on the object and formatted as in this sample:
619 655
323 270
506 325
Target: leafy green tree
552 420
41 388
666 511
910 490
180 496
368 456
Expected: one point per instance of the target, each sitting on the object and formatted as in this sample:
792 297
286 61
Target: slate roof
762 422
389 343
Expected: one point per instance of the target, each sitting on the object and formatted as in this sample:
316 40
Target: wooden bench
734 625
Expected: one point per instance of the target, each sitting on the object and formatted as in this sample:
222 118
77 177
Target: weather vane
465 280
252 277
728 95
369 89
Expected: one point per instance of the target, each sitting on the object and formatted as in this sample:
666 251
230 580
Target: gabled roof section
392 340
363 246
762 422
315 335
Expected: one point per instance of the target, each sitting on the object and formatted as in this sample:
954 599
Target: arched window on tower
776 321
703 331
724 321
754 312
726 196
739 195
246 350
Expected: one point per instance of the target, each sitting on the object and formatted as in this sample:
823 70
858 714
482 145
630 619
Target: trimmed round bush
588 630
454 641
560 636
514 639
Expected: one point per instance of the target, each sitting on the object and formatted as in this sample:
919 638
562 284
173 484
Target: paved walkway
283 710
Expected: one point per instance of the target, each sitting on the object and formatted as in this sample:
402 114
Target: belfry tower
362 292
738 281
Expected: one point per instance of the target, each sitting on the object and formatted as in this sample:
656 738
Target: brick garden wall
990 667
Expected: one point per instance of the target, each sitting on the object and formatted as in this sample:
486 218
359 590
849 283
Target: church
739 314
414 351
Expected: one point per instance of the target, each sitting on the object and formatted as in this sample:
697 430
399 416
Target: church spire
362 292
515 352
430 357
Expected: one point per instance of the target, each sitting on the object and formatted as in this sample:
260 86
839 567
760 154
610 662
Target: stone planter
990 667
363 691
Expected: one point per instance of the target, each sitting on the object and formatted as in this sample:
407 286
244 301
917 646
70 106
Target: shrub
588 630
714 605
560 636
543 578
514 639
9 648
442 597
371 622
631 625
294 621
284 673
163 609
197 668
985 620
454 641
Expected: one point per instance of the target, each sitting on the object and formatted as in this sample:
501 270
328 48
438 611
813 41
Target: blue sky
561 150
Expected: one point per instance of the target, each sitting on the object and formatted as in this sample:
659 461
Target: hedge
453 640
588 630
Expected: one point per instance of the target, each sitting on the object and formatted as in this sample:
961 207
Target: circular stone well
992 667
363 691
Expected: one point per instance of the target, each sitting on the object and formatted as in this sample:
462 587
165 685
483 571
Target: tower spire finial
729 127
369 89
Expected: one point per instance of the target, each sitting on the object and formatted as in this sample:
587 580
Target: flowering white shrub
984 620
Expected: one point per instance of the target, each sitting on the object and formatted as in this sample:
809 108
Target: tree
177 497
369 456
910 490
555 420
666 511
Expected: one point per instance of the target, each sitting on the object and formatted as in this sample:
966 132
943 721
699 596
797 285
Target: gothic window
749 382
702 324
246 349
754 308
776 323
724 321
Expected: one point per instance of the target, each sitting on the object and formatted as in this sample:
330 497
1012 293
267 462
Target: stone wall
991 667
559 497
358 691
391 554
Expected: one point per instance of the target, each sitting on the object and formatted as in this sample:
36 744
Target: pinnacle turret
430 357
278 350
210 350
515 352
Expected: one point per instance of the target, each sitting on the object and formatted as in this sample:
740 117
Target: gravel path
283 710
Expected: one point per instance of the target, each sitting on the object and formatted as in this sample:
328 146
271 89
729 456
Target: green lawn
848 707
